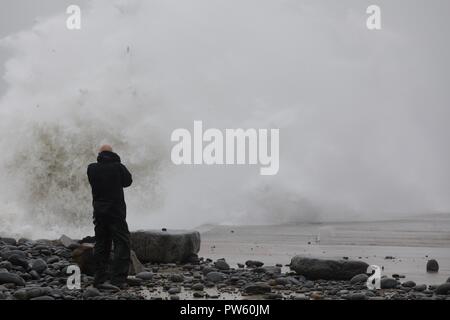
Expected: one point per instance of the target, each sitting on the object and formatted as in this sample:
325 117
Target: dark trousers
110 231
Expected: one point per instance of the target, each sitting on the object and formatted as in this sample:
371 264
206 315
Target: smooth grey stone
327 269
215 276
39 265
165 246
359 278
7 277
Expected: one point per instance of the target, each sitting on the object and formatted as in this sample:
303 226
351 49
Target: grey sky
424 18
17 15
363 114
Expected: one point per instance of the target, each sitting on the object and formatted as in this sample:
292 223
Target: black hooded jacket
107 178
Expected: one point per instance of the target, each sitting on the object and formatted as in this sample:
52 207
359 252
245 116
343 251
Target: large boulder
84 257
432 266
327 269
68 242
165 246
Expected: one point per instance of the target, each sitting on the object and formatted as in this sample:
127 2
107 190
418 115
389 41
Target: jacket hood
107 157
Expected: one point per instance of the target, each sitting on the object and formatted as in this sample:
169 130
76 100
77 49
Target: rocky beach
37 269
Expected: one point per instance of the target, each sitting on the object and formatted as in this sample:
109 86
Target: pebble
443 289
91 292
39 265
221 264
198 287
421 287
253 264
257 288
388 283
176 277
145 275
19 260
199 294
215 276
360 278
432 266
173 291
316 296
409 284
7 277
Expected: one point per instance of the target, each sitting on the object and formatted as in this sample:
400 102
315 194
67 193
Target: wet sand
411 242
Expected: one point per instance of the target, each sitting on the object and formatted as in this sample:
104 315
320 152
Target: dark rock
10 241
199 294
388 283
6 254
409 284
108 287
52 260
253 264
91 292
193 258
174 291
68 242
165 246
43 298
18 260
356 296
215 276
282 281
176 277
39 265
360 278
421 287
327 269
271 270
5 265
221 264
257 288
134 282
34 275
37 292
24 241
198 287
7 277
207 270
274 296
145 275
21 294
432 266
443 289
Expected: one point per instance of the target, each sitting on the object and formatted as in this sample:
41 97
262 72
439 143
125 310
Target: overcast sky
363 115
18 15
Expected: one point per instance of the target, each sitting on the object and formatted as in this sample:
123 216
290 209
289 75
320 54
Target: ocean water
411 242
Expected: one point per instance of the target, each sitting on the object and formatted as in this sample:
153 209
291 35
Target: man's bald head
105 147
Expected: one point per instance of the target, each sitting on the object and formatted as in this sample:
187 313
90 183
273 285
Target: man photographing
107 177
